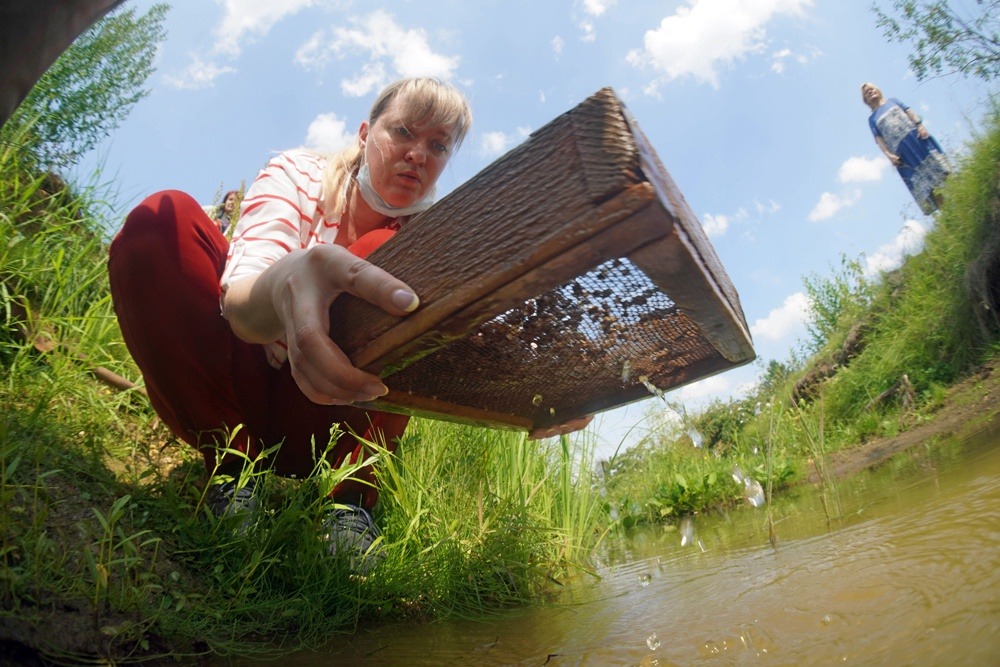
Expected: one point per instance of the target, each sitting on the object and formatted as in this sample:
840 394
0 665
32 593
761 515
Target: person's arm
893 158
918 121
274 289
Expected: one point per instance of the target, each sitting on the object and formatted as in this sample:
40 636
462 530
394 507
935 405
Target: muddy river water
909 574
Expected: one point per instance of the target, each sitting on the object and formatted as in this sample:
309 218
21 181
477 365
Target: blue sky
754 107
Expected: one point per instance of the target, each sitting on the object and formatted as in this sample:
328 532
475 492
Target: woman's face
404 159
871 93
229 204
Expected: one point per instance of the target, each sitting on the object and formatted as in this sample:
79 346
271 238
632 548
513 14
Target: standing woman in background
915 154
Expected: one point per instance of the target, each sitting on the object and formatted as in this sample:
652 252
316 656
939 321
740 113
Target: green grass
932 321
104 540
669 475
931 328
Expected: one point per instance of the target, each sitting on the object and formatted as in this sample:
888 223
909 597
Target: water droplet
653 642
652 388
645 579
711 648
756 640
827 619
753 491
687 531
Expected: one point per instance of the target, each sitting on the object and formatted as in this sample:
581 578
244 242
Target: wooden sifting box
567 278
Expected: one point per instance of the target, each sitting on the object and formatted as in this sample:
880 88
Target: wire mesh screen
567 278
610 326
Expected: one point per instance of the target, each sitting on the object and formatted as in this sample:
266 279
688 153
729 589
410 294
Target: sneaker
350 531
228 498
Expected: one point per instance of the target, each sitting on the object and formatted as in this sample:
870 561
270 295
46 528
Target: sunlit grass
104 509
924 326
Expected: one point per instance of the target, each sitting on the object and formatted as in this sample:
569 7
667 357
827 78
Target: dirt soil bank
970 407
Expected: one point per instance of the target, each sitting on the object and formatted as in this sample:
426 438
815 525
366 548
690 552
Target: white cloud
371 78
715 225
328 132
745 388
830 204
493 144
245 21
708 388
598 7
706 34
199 74
314 53
778 60
862 169
588 30
406 52
783 321
890 256
557 44
764 209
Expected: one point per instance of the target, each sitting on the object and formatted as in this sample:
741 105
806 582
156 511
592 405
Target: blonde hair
424 101
868 83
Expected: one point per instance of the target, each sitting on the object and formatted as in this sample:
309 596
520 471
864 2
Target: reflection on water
909 574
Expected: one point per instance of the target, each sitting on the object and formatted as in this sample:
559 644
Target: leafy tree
948 40
775 376
846 292
90 88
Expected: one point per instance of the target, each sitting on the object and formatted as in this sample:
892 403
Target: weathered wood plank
713 304
530 205
556 283
407 342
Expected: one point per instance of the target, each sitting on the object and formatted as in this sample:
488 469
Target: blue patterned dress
924 166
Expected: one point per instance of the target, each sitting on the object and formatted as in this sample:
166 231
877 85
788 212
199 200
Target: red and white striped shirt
281 212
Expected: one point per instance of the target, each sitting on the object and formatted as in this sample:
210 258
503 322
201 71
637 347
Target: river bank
970 407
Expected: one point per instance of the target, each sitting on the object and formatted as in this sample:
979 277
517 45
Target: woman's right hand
292 298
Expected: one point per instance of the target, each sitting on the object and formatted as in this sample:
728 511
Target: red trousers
203 381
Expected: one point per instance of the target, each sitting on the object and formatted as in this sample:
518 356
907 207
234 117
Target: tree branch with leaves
90 89
948 38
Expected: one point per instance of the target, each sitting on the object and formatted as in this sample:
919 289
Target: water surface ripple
908 574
